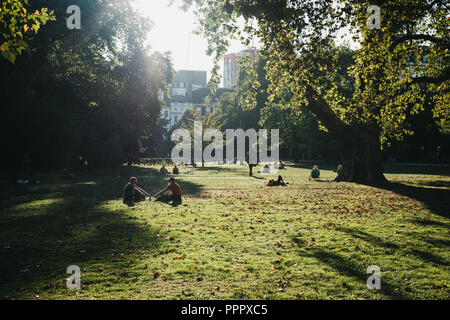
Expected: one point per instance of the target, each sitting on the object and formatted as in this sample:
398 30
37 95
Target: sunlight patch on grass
233 238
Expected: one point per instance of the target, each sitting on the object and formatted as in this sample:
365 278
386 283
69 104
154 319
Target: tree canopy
89 95
400 69
17 21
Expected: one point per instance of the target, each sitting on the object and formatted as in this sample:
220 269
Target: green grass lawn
232 238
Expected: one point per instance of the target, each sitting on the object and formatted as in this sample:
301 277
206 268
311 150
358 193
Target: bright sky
172 31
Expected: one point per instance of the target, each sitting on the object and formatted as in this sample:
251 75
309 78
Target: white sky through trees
172 31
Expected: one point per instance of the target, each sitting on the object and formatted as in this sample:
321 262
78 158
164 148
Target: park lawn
232 238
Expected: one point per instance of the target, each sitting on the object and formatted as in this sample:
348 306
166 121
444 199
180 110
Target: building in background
188 88
231 66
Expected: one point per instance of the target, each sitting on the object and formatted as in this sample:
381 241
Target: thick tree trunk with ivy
359 146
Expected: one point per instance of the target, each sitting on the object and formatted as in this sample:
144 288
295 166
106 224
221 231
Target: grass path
233 237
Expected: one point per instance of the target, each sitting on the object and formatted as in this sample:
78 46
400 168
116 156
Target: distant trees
300 135
89 95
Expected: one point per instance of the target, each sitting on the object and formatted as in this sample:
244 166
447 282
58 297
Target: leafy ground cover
232 238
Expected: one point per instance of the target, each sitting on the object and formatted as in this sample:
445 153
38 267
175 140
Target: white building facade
188 88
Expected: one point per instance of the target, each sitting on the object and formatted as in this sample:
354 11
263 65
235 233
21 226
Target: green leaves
14 18
297 39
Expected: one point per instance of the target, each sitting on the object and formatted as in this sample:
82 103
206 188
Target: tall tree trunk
359 146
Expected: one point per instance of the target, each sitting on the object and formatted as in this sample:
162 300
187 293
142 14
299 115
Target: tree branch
399 39
443 77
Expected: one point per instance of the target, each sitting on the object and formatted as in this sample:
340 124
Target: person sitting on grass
266 169
339 169
67 175
175 170
175 197
278 165
132 193
279 182
315 173
163 170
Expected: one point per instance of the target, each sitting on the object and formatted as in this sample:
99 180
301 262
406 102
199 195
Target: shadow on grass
427 170
258 178
368 237
100 185
429 257
437 200
50 226
423 255
431 223
349 268
437 183
216 169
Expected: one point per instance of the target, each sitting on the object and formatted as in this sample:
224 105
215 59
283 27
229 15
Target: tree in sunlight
89 95
401 68
18 24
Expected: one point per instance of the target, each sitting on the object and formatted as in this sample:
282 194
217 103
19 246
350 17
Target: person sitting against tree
132 193
175 170
281 165
163 170
315 173
339 169
175 197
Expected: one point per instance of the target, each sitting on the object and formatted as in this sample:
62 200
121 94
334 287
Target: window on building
166 113
176 118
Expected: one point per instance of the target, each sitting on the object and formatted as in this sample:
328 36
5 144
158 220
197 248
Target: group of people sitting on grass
164 171
315 175
132 193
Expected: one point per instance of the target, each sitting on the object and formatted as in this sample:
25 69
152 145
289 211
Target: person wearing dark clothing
315 173
163 170
175 170
250 166
279 182
175 197
132 193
